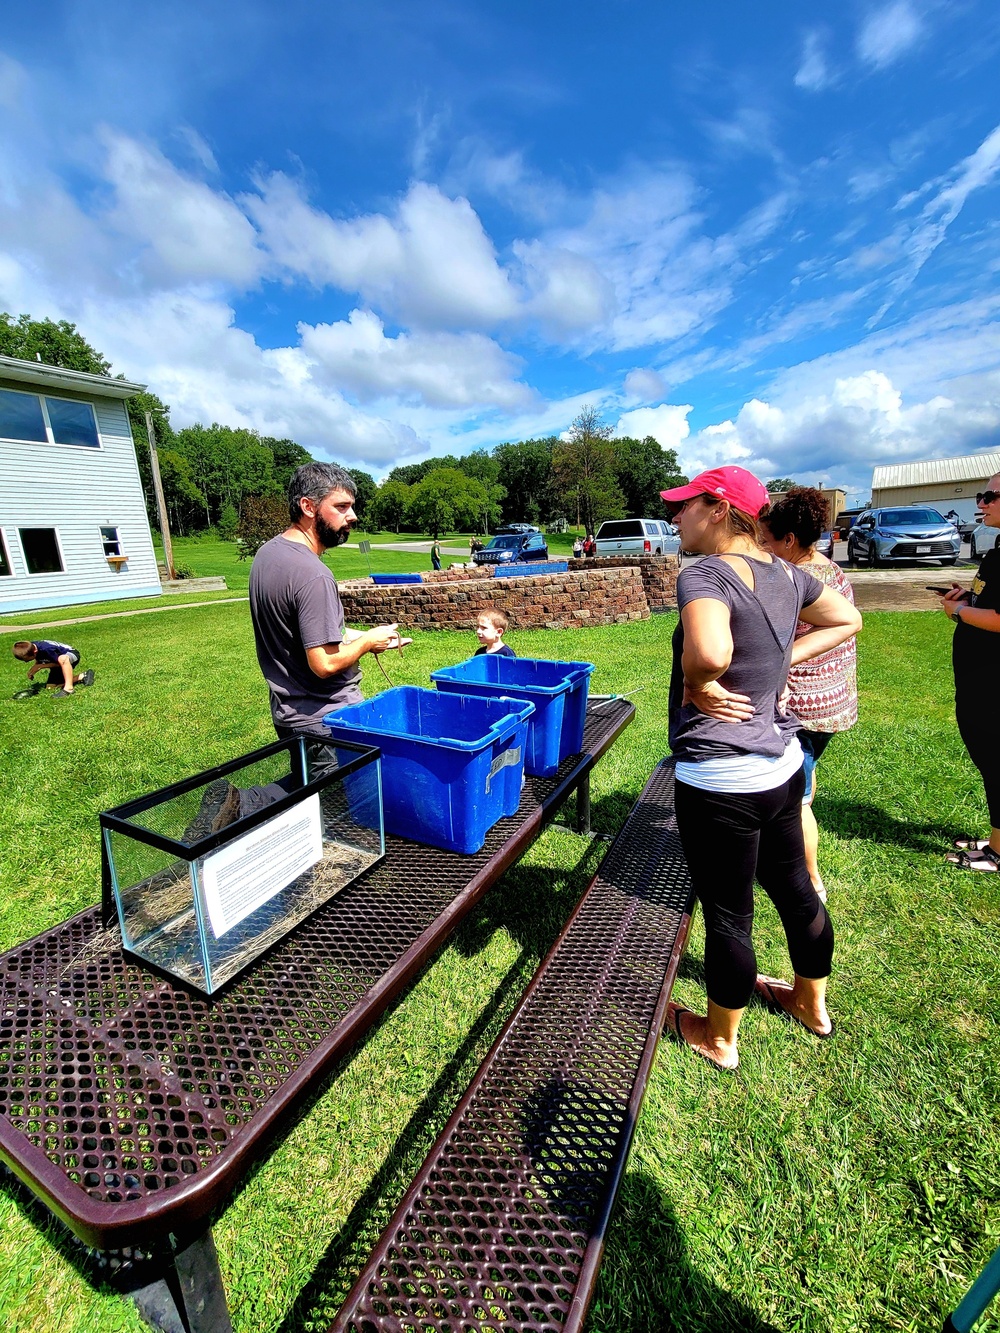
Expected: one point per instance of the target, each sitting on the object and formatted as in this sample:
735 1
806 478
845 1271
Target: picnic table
133 1107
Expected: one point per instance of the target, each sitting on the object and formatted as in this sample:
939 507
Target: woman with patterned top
823 692
976 661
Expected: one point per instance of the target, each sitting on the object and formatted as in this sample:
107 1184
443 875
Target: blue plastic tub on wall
452 765
557 689
383 579
548 567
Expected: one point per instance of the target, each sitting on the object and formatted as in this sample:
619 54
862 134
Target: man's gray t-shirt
295 605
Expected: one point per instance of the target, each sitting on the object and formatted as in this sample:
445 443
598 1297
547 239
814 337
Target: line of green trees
211 473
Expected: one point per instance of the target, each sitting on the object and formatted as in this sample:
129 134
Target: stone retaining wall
583 596
659 575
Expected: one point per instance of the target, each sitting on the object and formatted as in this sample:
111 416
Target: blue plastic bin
546 567
384 579
557 689
452 765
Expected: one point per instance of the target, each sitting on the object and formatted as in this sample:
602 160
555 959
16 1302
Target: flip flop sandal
970 844
986 859
672 1023
766 989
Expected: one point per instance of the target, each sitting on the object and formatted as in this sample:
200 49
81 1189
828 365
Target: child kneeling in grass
59 659
490 629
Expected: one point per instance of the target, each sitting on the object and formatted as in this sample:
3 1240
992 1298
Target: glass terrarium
209 873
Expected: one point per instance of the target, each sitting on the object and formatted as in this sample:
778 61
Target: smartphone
936 587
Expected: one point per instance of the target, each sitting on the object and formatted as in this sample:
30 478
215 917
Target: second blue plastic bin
557 689
452 765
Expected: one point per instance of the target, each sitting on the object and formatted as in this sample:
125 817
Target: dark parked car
515 527
505 548
914 532
825 544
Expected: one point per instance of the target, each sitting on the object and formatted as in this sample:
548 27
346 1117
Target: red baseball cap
735 484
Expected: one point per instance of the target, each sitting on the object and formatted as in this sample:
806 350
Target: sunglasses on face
987 497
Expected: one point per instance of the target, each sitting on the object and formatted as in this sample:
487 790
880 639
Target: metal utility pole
161 504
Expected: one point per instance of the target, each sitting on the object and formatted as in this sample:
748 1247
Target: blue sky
764 234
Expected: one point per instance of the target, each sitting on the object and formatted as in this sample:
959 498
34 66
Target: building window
112 546
5 569
45 420
21 417
72 422
41 550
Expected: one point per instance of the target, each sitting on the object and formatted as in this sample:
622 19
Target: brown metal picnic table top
133 1107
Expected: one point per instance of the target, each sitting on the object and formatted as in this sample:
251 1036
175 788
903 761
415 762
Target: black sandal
985 859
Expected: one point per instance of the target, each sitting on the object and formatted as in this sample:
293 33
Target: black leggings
982 740
728 840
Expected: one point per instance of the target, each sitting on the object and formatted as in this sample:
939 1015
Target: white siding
77 491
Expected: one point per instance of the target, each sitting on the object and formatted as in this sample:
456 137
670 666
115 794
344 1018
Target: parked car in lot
913 532
507 547
825 544
983 539
516 527
637 536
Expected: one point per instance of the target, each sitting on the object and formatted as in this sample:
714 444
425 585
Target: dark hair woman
976 661
823 692
739 779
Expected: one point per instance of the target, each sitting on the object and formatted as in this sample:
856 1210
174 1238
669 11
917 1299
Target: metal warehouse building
943 483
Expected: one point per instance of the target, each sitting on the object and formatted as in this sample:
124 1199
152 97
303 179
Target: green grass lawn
834 1187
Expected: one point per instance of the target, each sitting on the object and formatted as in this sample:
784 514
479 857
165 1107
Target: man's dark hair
315 481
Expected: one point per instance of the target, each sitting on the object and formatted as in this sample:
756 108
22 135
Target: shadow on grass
852 819
647 1281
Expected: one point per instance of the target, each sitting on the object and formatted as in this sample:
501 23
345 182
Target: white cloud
430 265
889 33
668 424
813 73
438 369
644 384
189 231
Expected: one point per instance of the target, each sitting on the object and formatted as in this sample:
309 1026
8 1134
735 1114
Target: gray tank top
763 620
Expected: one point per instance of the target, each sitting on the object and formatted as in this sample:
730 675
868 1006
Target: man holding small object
976 661
307 655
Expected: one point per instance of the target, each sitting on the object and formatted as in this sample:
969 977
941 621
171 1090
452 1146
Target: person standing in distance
976 662
308 658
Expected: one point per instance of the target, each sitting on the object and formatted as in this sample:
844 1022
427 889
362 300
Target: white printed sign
240 877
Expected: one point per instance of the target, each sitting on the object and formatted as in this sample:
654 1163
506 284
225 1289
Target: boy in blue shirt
59 659
490 629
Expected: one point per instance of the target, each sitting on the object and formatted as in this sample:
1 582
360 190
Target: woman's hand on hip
715 701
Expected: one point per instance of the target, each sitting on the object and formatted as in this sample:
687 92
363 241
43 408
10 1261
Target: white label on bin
505 759
241 876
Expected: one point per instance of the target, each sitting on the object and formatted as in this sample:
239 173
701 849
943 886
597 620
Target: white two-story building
73 524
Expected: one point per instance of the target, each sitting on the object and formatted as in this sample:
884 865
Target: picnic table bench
503 1227
133 1107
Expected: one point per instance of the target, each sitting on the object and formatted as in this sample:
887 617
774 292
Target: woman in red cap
739 777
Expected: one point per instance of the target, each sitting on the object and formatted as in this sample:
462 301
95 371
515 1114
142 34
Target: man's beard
329 536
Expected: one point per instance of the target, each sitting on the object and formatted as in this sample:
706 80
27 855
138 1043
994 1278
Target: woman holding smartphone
976 661
739 777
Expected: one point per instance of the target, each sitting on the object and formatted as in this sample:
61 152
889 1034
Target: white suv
983 539
637 536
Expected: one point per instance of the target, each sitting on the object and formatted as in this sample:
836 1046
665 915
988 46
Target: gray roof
970 467
55 377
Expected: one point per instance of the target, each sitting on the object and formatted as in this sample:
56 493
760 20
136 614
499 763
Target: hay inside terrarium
164 929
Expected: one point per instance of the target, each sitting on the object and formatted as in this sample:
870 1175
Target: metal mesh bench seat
503 1228
133 1108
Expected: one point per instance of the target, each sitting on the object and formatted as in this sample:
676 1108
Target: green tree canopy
525 472
365 493
410 473
288 456
643 469
779 484
387 508
228 465
57 344
583 472
447 499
